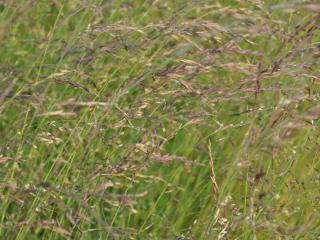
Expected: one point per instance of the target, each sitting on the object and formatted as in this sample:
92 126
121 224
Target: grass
159 119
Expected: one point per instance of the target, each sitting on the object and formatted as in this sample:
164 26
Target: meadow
159 119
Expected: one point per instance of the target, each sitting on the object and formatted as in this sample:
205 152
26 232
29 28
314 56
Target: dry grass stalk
58 113
213 175
4 159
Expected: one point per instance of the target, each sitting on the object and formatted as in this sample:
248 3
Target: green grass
108 108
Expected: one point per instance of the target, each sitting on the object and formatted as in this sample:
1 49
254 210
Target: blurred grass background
152 119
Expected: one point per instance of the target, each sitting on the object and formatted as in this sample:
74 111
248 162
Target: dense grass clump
164 119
